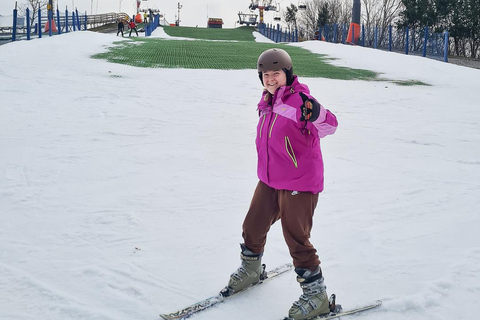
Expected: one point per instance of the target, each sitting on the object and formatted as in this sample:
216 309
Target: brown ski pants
295 210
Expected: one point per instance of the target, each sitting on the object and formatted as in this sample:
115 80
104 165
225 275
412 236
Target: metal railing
420 41
64 22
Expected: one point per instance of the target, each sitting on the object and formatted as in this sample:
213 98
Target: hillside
123 189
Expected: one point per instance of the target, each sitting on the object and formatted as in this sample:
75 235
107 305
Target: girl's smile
272 80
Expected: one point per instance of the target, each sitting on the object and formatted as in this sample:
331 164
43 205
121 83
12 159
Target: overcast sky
193 12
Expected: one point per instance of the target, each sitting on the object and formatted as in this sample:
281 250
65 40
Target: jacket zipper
271 128
261 127
289 148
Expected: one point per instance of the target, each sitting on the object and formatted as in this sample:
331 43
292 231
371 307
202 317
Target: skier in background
290 170
132 26
120 26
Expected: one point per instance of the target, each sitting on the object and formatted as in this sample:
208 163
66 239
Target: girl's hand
310 109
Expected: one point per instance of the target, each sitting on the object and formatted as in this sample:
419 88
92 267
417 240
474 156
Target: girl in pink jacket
290 169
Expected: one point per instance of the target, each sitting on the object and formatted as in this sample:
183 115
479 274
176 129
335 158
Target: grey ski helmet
275 59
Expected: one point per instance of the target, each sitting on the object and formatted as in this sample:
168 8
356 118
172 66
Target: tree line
461 18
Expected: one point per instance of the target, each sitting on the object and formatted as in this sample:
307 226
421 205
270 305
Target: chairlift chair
247 18
277 16
302 5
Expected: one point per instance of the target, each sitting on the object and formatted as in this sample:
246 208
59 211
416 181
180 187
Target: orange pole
353 39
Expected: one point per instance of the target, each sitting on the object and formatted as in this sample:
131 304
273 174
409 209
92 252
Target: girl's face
272 80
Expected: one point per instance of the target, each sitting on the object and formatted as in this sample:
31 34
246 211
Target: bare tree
345 16
33 6
321 12
308 18
336 10
380 13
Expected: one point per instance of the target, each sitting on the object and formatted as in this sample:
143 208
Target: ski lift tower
179 6
262 6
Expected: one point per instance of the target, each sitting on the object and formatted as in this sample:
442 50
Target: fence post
425 42
73 21
28 23
278 33
375 41
407 36
50 19
335 31
445 48
363 35
78 19
14 31
39 23
296 35
414 43
344 33
85 20
66 20
353 33
59 26
390 38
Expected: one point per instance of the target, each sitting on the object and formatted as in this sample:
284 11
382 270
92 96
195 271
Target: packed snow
123 189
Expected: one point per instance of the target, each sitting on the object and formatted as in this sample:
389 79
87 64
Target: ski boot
250 272
314 300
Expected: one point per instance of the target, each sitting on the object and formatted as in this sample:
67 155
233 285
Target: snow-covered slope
121 199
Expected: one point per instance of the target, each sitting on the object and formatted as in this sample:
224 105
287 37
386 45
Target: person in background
120 26
132 26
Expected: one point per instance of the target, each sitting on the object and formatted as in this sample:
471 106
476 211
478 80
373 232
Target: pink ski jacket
289 154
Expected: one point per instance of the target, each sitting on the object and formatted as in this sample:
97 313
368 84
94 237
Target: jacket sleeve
326 123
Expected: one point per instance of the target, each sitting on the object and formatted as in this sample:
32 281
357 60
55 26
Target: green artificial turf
237 34
230 55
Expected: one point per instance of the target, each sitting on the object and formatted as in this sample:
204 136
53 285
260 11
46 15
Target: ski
219 298
338 312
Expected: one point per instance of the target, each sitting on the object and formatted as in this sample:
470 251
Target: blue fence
152 25
68 22
277 34
62 23
419 41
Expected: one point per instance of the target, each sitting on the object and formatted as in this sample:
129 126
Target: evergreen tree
324 15
290 16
